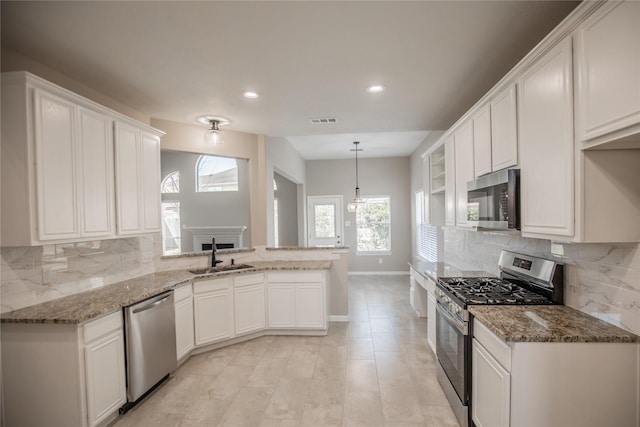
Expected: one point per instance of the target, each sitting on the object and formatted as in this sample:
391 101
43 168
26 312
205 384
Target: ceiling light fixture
353 206
375 88
250 94
213 135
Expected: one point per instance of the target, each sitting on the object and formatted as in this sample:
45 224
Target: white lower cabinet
297 300
185 333
491 393
431 321
553 384
213 310
249 303
63 374
104 367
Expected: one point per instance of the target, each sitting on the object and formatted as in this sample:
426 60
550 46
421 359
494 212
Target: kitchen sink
211 270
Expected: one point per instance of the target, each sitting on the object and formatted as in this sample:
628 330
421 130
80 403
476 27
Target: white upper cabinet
482 141
57 164
504 130
450 182
545 106
463 138
137 163
607 59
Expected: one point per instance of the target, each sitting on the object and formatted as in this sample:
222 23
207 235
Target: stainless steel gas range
524 280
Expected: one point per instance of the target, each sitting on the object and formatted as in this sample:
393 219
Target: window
170 228
171 183
373 225
215 173
420 226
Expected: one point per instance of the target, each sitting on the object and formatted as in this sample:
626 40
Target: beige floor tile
359 329
400 403
288 399
205 412
301 364
360 348
229 382
274 422
318 415
267 373
392 368
247 409
361 375
362 408
334 357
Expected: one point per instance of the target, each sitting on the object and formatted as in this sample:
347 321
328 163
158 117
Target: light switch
347 223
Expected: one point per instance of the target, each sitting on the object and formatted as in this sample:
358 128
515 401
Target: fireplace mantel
231 234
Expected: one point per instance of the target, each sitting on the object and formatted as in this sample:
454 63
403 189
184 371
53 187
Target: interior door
325 220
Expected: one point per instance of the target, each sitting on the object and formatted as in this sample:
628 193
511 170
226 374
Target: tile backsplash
32 275
602 280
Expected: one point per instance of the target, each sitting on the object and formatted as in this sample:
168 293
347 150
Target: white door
325 220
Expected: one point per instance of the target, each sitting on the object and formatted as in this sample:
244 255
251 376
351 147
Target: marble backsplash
602 280
32 275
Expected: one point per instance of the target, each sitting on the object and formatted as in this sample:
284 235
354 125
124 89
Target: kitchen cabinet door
184 323
463 138
137 180
56 167
150 165
504 130
545 126
104 368
482 141
450 182
491 390
213 316
128 176
250 308
607 60
281 300
96 173
310 306
431 321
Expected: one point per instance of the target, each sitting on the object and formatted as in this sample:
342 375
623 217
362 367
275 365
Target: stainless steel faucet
214 261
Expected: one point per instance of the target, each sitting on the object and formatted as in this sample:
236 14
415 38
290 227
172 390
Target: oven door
452 346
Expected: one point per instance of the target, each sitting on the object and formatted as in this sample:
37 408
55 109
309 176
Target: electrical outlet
379 260
146 258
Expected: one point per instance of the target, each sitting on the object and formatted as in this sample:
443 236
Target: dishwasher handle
148 305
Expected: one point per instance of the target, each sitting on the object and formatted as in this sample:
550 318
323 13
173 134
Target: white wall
282 158
287 195
377 177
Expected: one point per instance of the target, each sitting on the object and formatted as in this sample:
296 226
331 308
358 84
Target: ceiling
177 60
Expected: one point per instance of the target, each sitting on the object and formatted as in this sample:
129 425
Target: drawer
211 285
494 345
249 279
296 277
182 292
102 326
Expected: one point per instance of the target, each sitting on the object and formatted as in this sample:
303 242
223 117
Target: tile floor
376 370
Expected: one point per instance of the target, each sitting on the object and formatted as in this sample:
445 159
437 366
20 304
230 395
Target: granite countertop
208 253
434 270
548 323
88 305
305 248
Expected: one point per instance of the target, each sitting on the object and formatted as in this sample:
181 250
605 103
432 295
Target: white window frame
420 225
380 251
164 181
215 190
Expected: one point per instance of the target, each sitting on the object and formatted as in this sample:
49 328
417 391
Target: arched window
215 173
171 183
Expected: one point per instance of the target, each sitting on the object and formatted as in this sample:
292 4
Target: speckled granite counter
85 306
306 248
441 269
542 323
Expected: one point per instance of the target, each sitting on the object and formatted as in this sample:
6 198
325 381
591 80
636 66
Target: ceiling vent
324 120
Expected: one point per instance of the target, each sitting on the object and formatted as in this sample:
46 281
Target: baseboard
378 273
338 318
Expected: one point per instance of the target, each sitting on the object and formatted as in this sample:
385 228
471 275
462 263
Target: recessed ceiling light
375 88
250 94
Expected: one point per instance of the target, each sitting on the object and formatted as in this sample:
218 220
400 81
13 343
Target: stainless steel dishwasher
150 340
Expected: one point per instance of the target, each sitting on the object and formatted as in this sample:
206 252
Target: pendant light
353 206
214 134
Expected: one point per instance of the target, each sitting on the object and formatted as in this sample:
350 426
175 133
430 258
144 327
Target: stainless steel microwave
493 200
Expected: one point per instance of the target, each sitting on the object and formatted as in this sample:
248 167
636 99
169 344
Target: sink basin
211 270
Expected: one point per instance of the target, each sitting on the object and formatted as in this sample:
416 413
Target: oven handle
462 327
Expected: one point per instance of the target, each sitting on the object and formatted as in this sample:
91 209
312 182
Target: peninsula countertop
84 306
548 323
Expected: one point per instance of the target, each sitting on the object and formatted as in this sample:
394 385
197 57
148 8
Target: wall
224 208
602 280
287 196
377 177
190 138
282 158
72 268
